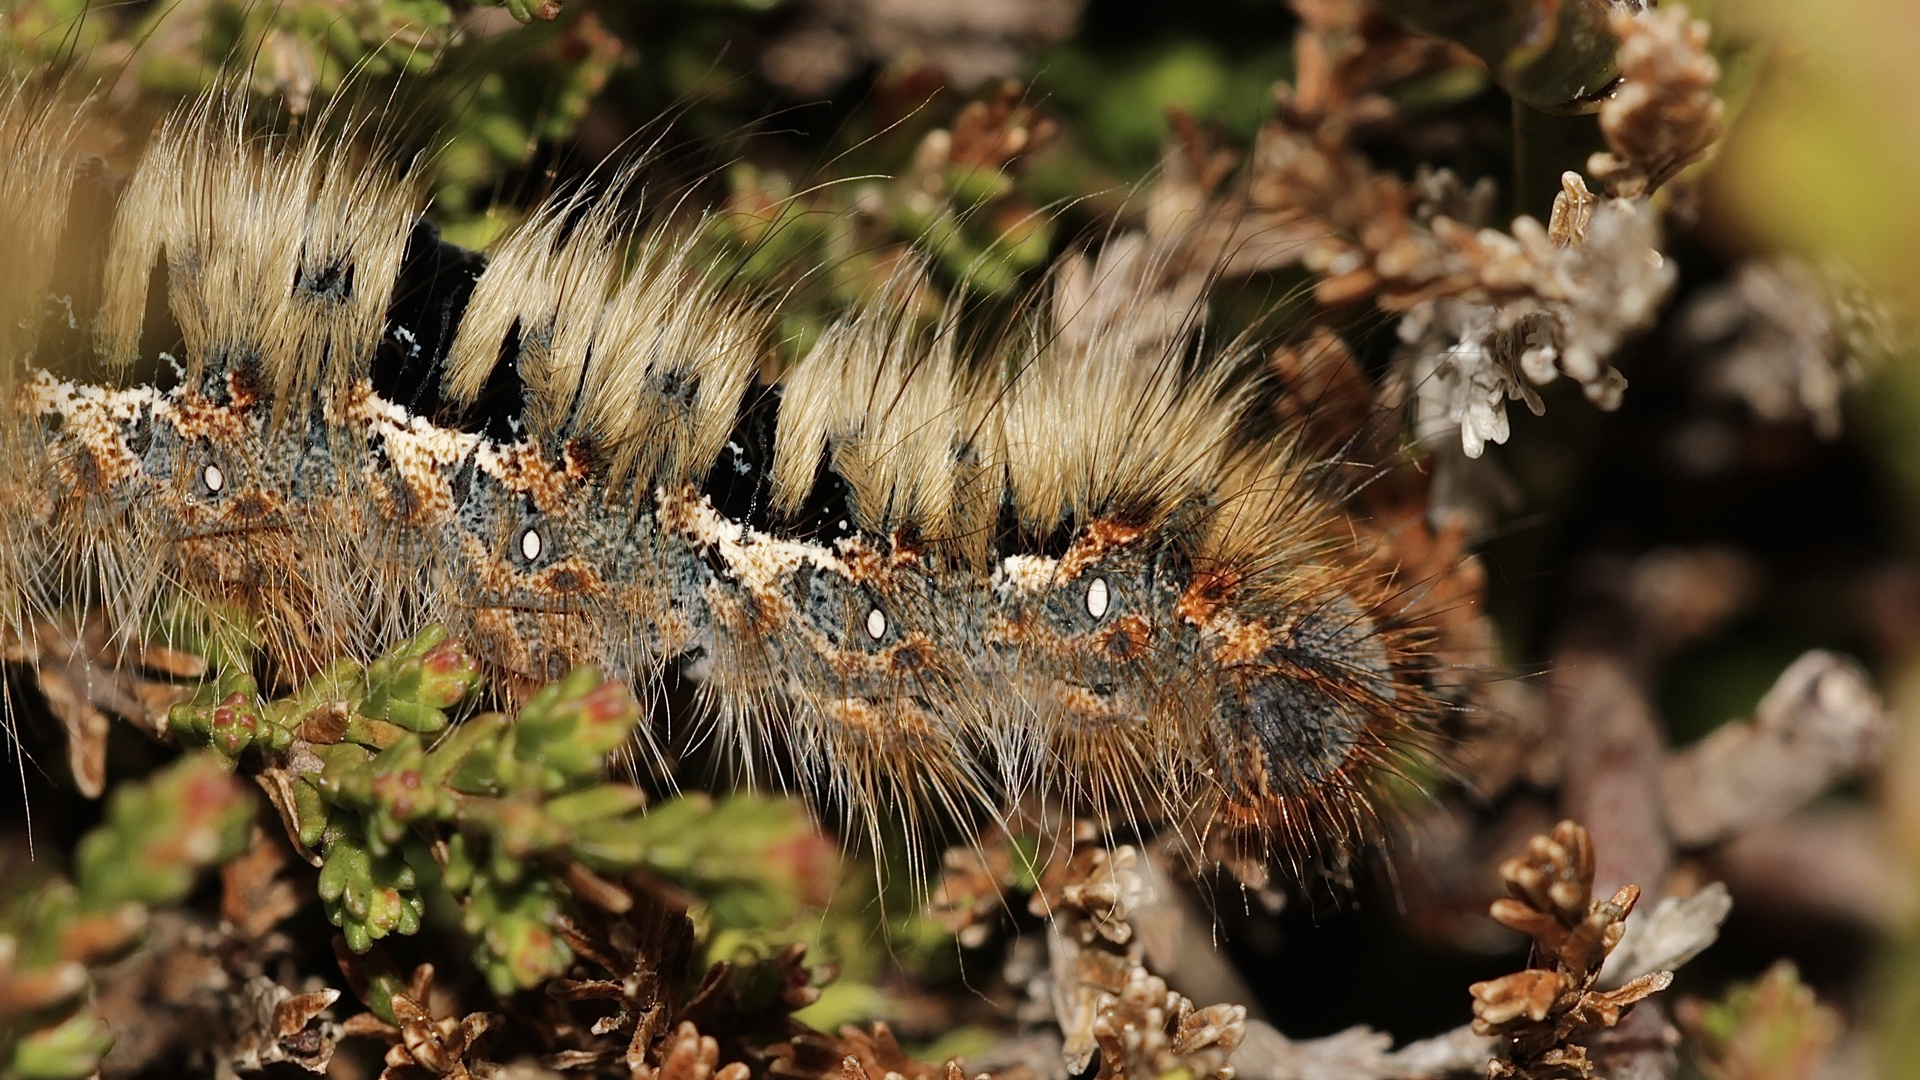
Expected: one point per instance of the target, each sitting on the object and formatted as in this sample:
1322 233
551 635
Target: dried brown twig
856 1054
1613 745
689 1055
87 673
1115 1016
210 993
1091 948
1149 1031
644 957
419 1044
1545 1013
1824 862
1488 315
1820 722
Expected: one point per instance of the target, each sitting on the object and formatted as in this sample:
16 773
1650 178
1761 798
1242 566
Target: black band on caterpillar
933 580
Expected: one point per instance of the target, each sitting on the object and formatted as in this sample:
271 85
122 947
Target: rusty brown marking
759 613
243 391
580 459
893 723
570 576
525 643
197 418
870 565
854 712
677 508
863 563
1083 702
1205 593
525 471
103 461
1245 642
1128 638
420 497
498 577
498 642
911 655
102 458
1095 542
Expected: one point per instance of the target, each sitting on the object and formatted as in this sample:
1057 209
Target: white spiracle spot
531 544
1097 597
876 624
213 479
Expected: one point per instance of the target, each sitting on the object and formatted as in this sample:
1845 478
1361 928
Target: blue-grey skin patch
1110 669
517 581
317 465
1138 590
900 636
209 498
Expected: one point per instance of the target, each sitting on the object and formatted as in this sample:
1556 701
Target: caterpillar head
1311 713
1172 690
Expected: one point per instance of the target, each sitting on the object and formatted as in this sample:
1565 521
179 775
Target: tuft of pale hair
280 250
1102 415
1272 518
37 136
545 287
672 360
890 407
623 341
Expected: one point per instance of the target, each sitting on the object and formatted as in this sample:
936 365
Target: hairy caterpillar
932 580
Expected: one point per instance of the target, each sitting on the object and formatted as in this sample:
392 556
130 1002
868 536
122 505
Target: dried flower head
1147 1031
1664 116
1544 1012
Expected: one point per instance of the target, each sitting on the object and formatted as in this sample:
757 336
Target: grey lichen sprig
1486 314
1788 340
1562 300
159 837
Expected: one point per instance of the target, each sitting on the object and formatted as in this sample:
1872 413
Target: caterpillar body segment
1110 444
38 166
279 262
919 580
